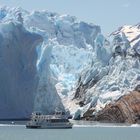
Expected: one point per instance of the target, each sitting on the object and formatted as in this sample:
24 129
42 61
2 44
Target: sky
109 14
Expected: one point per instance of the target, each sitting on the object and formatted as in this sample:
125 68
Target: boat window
59 120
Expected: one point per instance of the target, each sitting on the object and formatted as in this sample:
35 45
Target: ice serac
72 49
106 81
47 100
18 75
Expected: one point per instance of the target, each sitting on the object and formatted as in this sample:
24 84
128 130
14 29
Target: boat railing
56 116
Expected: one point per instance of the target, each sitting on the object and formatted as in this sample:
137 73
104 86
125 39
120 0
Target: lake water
80 131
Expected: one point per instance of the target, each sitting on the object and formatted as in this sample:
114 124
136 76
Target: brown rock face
125 110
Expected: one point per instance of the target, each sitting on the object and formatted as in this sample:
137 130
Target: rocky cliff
124 110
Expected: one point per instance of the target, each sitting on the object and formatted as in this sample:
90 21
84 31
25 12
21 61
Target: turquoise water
80 131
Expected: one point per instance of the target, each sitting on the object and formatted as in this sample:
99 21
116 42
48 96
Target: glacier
77 67
103 83
73 45
18 74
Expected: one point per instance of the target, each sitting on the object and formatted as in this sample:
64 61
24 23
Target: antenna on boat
58 111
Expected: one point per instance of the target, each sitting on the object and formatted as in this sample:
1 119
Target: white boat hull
49 126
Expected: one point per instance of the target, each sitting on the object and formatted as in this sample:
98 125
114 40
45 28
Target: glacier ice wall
18 75
103 83
47 100
72 45
78 68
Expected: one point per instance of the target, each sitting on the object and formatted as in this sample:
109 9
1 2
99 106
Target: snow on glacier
132 34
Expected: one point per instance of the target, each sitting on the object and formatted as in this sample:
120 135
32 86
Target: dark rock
88 115
81 103
137 88
125 110
81 88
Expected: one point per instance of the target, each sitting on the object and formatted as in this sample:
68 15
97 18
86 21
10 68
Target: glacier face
78 67
47 99
18 75
73 45
72 49
103 83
